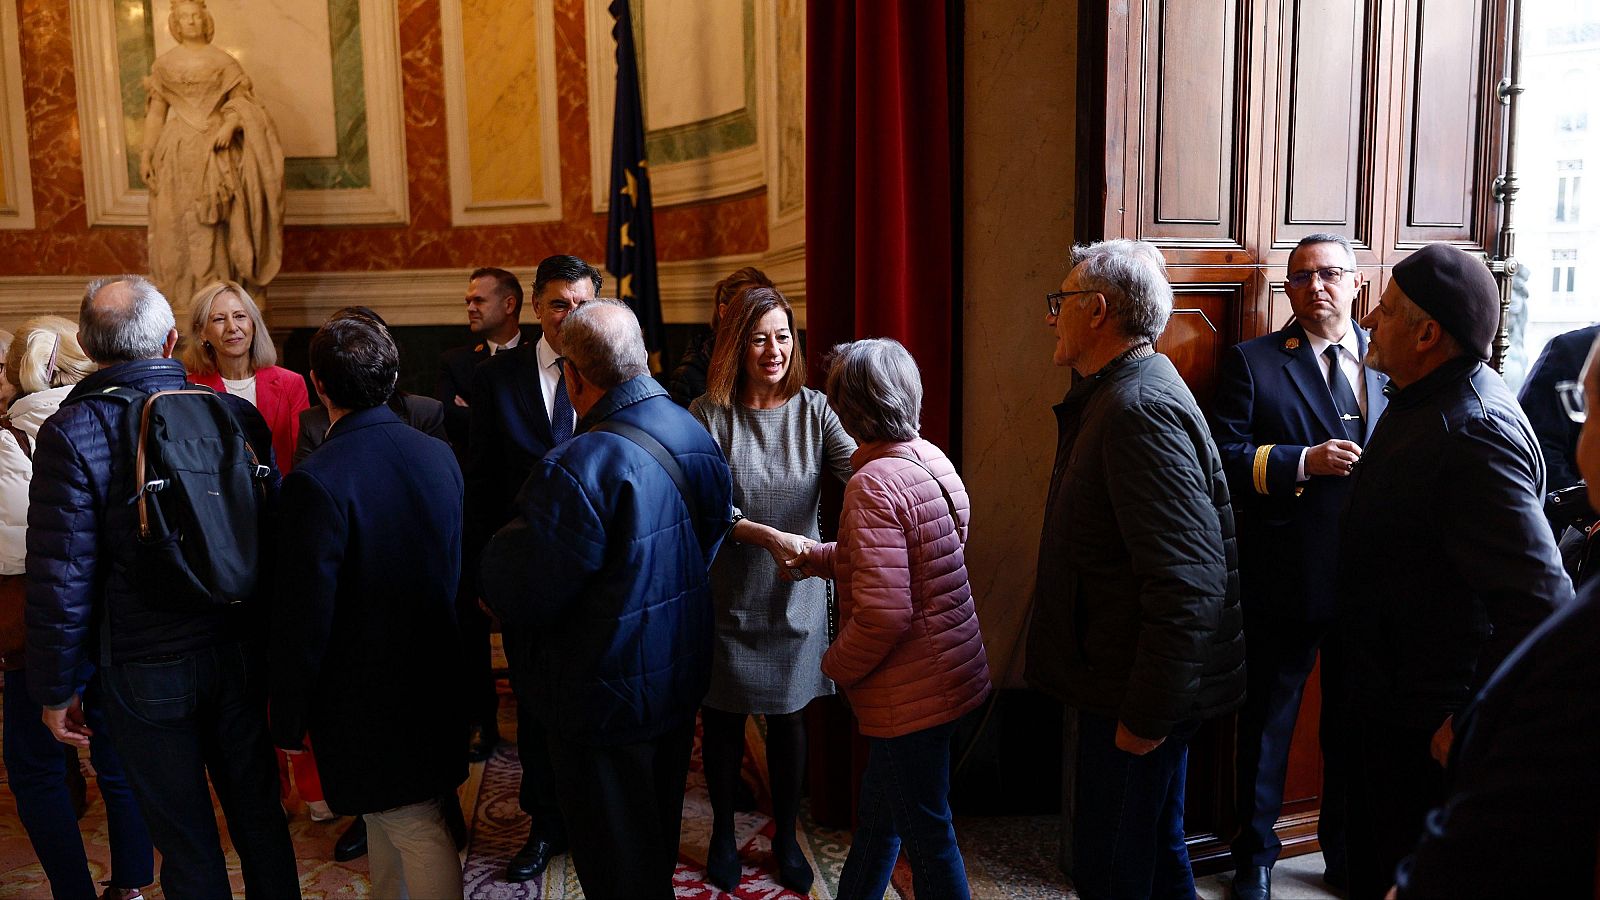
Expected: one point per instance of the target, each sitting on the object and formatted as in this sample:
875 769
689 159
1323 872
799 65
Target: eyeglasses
1572 400
1052 300
1330 275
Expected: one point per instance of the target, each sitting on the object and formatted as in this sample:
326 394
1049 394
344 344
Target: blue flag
631 233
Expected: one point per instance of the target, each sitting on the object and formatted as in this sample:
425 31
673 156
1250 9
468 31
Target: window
1574 115
1564 273
1567 187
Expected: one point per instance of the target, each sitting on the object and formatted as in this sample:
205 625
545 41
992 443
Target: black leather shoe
1252 883
531 861
481 742
353 843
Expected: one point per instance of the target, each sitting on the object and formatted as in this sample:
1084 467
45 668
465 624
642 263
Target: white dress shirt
1350 364
549 376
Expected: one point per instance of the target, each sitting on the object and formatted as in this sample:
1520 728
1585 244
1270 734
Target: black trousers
537 792
1279 658
483 704
624 811
1394 784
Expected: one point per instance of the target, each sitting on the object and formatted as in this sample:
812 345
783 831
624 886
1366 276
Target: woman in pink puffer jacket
909 655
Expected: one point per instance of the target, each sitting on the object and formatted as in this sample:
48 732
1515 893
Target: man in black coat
364 641
1558 434
1447 561
1291 414
1520 818
522 411
1136 624
494 305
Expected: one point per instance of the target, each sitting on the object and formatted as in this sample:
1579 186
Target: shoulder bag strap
22 438
653 447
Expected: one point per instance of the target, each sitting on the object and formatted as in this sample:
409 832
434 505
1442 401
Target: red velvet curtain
882 188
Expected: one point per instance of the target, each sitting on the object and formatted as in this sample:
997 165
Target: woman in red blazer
230 350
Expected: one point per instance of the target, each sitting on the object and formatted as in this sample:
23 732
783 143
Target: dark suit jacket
510 432
1558 435
364 645
1272 402
455 380
425 414
1520 820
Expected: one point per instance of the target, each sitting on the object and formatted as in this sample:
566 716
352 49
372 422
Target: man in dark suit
521 410
1558 434
494 305
364 638
1523 785
1292 411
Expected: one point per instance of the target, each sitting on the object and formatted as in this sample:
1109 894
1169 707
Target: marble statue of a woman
214 166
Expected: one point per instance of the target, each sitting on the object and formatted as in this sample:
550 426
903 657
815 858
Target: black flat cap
1457 290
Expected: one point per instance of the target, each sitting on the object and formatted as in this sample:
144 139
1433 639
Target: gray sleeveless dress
771 633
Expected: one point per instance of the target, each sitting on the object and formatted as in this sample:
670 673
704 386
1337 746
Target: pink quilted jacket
909 654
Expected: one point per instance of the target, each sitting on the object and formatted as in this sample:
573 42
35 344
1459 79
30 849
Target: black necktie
561 408
1344 399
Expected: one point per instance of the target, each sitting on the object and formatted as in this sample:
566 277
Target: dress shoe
723 868
353 843
481 742
1252 883
794 870
531 861
319 812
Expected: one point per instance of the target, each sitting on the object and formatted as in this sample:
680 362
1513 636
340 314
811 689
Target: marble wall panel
1018 199
62 243
502 87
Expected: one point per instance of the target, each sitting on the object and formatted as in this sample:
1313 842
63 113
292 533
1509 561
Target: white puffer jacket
16 470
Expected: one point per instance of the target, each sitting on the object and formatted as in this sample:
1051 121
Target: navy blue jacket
1447 561
605 558
510 433
1561 360
82 525
1523 784
364 646
1272 402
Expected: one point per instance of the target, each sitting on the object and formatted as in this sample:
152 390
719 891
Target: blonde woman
230 350
42 364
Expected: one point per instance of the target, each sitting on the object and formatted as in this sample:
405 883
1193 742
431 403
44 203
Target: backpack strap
910 457
652 446
25 445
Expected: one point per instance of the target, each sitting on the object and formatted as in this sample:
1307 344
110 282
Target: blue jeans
178 718
905 796
1127 828
37 765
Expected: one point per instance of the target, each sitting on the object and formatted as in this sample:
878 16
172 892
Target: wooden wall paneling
1324 120
1449 125
1189 176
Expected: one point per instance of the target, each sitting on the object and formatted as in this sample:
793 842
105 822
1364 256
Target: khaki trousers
411 854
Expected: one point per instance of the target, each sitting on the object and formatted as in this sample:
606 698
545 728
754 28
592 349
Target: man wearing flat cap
1447 561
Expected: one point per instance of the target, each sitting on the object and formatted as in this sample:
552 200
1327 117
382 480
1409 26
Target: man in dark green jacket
1136 623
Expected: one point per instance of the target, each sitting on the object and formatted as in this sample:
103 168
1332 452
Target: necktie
561 408
1344 399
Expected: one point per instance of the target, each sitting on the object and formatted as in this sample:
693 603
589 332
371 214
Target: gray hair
127 328
602 339
876 390
1133 277
1327 237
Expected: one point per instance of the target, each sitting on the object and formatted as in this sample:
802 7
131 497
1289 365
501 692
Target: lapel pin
1292 344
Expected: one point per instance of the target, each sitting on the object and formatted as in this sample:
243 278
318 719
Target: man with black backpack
146 506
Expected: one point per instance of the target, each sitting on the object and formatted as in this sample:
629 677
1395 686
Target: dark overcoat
364 644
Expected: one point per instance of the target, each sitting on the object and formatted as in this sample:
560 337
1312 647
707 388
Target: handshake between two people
790 551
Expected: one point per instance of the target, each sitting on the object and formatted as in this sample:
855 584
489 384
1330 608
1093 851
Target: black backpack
199 489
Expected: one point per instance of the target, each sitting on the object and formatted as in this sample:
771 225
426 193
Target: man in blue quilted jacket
606 561
184 691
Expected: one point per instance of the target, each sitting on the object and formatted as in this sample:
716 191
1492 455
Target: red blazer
280 397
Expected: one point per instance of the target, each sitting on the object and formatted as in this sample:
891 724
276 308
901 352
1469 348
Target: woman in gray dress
781 440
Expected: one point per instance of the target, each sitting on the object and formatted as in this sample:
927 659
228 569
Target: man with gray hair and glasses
1136 621
607 562
1292 411
184 689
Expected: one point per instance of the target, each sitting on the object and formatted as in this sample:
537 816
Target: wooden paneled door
1227 130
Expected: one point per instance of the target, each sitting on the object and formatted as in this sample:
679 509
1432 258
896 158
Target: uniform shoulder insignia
478 349
1292 344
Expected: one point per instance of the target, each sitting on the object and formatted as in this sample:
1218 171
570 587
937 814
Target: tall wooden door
1224 131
